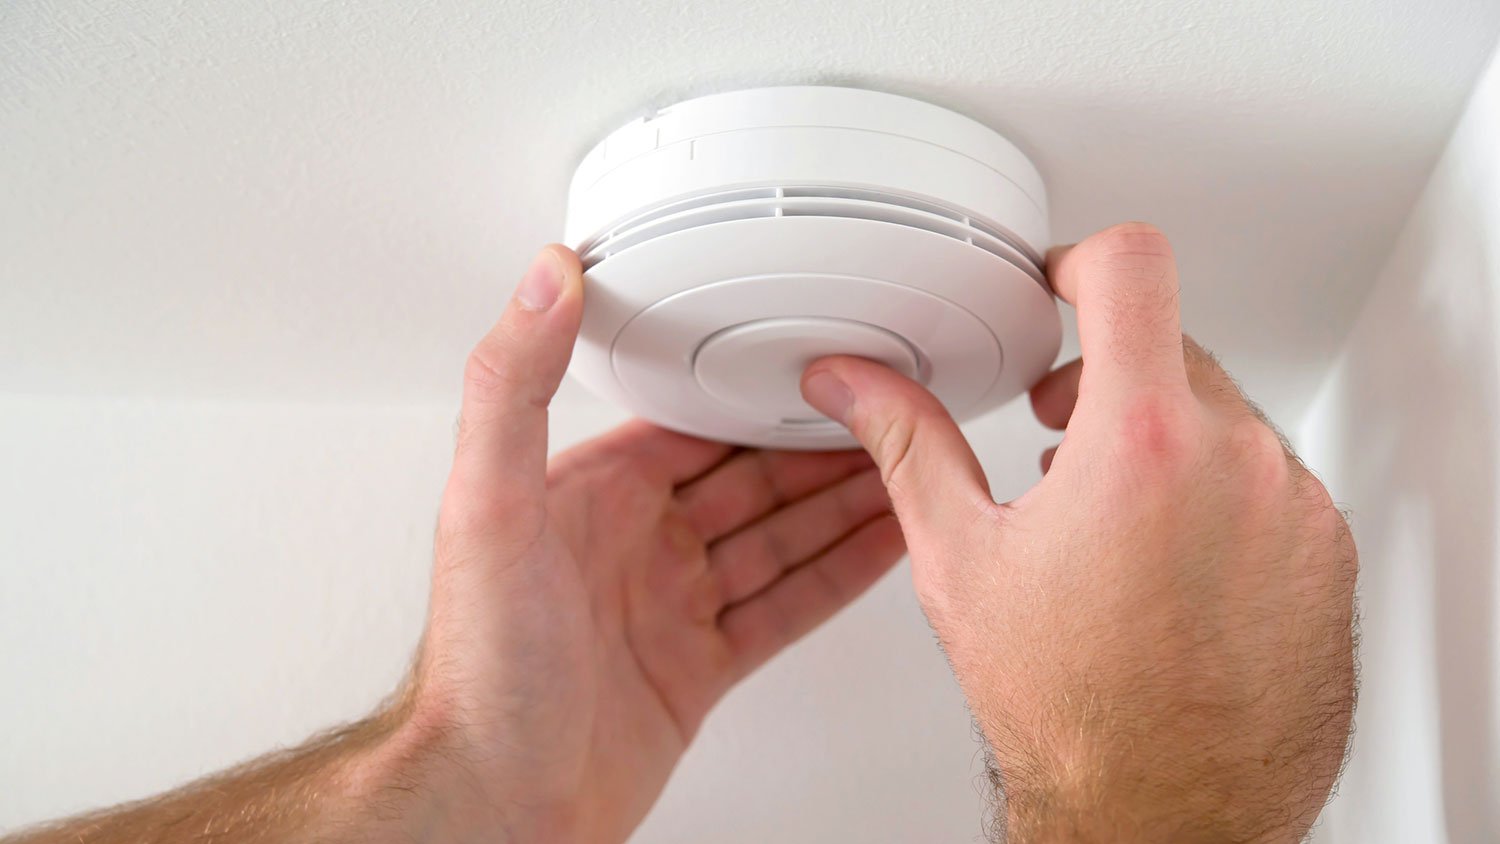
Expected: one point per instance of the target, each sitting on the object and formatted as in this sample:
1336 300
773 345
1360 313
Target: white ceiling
329 201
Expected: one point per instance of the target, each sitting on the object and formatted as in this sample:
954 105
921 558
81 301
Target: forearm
388 778
312 792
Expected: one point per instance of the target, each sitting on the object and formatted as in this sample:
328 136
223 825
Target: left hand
586 615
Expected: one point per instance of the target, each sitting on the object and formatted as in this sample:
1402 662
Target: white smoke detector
731 240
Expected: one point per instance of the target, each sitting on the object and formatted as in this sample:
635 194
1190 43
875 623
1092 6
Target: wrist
423 781
1062 813
1104 799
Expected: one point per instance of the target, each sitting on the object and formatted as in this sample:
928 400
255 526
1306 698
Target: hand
1156 639
586 616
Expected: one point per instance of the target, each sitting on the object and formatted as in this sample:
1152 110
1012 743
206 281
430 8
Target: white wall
1406 433
187 584
184 585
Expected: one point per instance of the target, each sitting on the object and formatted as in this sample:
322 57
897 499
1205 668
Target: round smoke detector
731 240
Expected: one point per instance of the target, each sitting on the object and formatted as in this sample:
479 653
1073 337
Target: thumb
500 465
933 478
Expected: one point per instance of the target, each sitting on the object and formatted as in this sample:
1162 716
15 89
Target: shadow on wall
1418 441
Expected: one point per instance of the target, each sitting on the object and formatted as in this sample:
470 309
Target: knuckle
1325 526
1159 431
484 372
1260 455
891 445
1137 260
1329 520
1256 442
490 371
1132 240
1343 539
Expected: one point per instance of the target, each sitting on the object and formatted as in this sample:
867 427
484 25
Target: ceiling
330 201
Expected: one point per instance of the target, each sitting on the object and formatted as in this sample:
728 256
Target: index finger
1123 281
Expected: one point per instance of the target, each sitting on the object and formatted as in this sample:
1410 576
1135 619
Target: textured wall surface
325 200
1406 432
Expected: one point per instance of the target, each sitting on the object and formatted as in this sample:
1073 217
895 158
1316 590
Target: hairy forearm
382 779
309 793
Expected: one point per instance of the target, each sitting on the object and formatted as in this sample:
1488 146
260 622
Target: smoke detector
729 241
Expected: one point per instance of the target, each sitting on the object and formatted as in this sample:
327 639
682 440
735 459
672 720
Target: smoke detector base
731 240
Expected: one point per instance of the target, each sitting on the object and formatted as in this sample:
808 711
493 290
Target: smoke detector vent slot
809 202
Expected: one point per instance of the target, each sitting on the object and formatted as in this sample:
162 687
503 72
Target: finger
1123 281
509 380
1047 457
760 626
749 560
755 482
668 456
933 478
1053 397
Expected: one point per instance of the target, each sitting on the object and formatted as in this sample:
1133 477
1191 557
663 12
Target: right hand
1156 639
